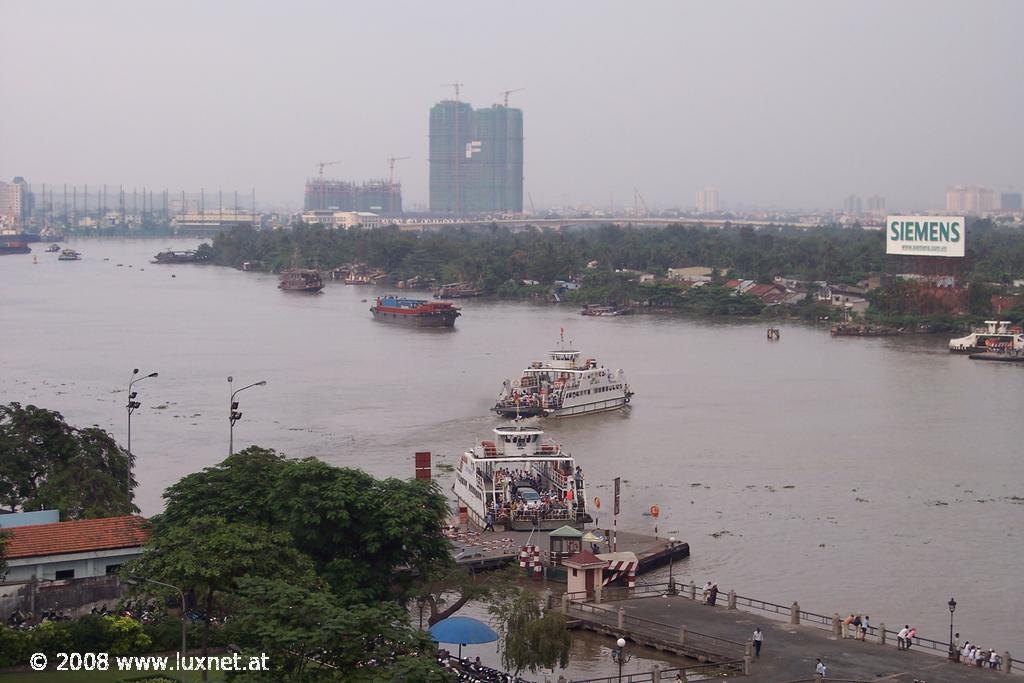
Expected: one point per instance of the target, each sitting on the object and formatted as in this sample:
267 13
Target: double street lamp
952 608
132 403
234 414
620 656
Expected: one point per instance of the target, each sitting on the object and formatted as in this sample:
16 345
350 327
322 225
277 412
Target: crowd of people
974 655
472 671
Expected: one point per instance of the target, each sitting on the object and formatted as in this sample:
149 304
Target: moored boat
561 386
301 280
191 256
457 290
13 245
69 255
522 481
605 311
53 248
416 312
851 329
996 335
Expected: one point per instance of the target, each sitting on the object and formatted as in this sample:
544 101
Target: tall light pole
952 608
132 403
234 415
135 580
620 656
671 557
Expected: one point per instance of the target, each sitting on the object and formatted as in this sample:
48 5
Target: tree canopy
47 463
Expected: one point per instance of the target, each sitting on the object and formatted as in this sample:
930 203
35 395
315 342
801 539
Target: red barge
415 312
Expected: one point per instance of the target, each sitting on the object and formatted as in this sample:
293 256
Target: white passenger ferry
561 386
997 335
522 482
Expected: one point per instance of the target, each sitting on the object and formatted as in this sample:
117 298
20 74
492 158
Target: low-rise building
73 550
691 274
342 220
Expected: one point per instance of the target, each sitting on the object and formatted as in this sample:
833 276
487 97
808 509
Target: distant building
853 205
343 220
691 274
876 204
73 550
378 196
707 201
15 202
476 159
969 200
214 221
1010 201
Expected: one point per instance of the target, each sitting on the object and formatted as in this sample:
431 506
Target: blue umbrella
463 631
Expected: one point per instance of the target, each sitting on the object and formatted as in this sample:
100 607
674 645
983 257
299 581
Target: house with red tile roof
73 550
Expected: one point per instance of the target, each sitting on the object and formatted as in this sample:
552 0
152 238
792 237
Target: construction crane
533 209
391 168
322 165
638 201
455 85
506 93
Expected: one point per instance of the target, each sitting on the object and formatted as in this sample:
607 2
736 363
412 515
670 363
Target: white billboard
925 235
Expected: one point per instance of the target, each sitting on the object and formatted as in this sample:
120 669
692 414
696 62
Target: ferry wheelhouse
997 335
562 386
523 481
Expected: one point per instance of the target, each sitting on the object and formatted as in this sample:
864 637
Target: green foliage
293 624
91 633
357 529
3 553
528 637
46 463
979 298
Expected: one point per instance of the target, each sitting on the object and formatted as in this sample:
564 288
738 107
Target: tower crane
391 168
322 165
455 85
638 201
506 93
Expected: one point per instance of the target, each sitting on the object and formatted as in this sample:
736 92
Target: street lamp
671 556
132 403
135 580
620 656
234 415
952 608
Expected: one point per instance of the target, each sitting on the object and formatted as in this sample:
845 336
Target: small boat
301 280
562 386
354 279
850 329
69 255
605 311
997 334
504 477
53 248
415 312
457 290
179 257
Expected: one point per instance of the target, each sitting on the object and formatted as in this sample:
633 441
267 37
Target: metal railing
711 670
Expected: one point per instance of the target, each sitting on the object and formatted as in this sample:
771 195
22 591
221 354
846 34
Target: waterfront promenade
682 625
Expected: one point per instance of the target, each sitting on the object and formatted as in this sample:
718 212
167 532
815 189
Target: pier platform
686 626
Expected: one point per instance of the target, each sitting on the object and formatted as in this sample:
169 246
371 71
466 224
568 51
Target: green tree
530 638
207 556
310 635
46 463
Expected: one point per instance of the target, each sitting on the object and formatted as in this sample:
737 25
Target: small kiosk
584 571
564 542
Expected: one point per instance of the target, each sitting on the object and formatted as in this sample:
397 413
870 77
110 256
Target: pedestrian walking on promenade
820 669
758 638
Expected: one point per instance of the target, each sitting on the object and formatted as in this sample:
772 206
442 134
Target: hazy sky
782 104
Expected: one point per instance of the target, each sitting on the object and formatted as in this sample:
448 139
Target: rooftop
86 535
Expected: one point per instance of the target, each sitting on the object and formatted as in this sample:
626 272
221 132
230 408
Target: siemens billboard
925 235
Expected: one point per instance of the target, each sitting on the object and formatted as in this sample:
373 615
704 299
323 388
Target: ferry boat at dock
523 481
997 335
301 280
415 312
561 386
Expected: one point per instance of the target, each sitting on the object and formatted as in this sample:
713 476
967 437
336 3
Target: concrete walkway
789 652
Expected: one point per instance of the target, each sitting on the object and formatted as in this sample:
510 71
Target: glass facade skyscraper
476 159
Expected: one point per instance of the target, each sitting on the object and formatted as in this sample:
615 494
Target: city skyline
668 99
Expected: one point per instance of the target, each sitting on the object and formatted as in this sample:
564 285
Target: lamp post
135 580
132 403
234 415
620 656
952 608
671 557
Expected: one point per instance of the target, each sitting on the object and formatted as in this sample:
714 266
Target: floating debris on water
719 534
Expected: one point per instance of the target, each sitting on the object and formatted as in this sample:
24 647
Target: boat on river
13 244
191 256
69 255
605 311
852 329
53 248
997 335
523 481
415 312
301 280
562 386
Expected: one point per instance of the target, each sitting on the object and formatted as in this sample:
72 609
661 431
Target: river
877 476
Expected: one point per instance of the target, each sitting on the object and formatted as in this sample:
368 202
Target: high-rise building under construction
378 196
476 158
